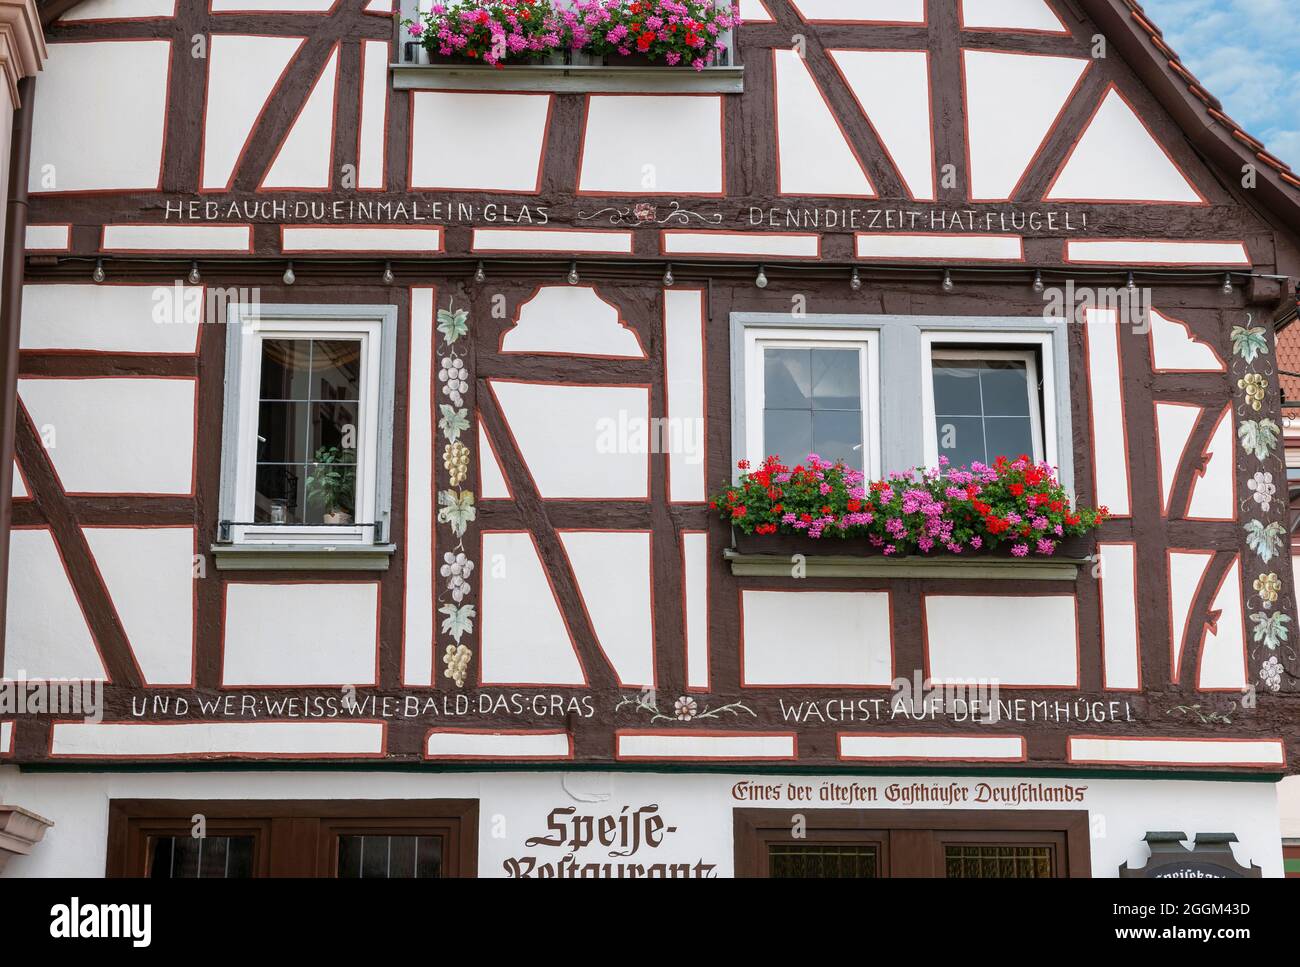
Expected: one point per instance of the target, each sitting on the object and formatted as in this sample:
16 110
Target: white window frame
867 342
250 324
985 345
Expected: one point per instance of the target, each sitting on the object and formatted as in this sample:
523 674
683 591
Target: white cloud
1247 54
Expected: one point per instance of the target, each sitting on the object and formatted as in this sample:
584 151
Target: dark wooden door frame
294 837
911 836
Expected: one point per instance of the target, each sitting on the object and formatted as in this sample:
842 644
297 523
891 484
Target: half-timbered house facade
367 408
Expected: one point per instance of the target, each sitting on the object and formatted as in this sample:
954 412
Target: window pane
389 857
428 859
281 494
980 862
285 369
214 857
1005 387
837 435
788 434
336 369
810 862
282 433
1009 436
334 425
956 388
787 375
837 379
960 438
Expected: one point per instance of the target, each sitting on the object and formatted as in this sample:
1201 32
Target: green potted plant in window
332 483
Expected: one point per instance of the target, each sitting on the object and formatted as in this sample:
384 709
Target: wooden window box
774 556
568 78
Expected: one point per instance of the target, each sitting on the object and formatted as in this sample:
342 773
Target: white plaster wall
1288 800
700 806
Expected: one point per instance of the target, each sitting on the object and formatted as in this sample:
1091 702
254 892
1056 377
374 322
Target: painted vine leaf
1249 342
453 422
1259 437
1270 629
1265 539
457 509
453 323
459 620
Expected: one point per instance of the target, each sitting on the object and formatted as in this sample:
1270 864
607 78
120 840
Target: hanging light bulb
1132 282
289 277
194 276
98 275
948 284
668 275
573 277
855 280
388 273
1227 284
1038 282
480 274
761 279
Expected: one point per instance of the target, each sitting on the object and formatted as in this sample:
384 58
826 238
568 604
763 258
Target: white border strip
939 248
1120 651
360 238
48 238
551 240
452 744
177 238
695 594
945 748
214 740
1112 479
705 745
1135 751
418 630
1100 251
742 244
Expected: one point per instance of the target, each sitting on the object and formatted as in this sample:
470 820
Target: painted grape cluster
456 508
1264 508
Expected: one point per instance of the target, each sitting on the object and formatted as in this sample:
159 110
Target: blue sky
1247 54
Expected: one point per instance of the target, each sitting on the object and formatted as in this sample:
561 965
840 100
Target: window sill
569 78
303 557
862 566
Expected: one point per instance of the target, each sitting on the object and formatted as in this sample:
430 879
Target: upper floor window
815 390
986 403
309 398
883 394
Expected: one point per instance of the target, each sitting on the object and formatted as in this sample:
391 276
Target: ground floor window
871 844
348 839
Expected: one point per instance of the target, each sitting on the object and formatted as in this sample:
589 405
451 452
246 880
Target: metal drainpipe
11 309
